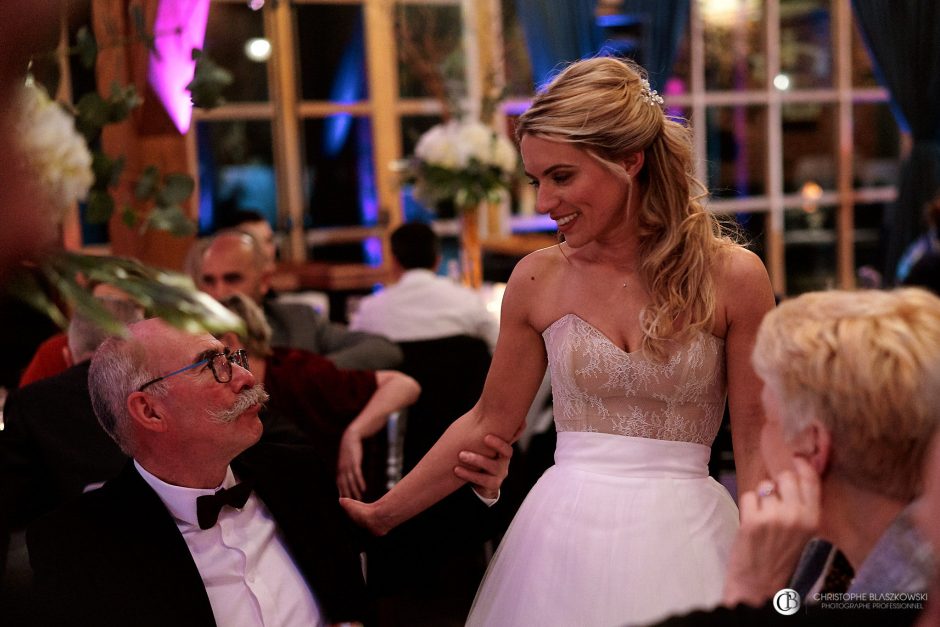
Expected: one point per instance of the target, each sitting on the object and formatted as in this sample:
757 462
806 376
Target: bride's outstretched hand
365 515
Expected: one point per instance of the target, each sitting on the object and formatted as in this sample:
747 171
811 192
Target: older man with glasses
203 527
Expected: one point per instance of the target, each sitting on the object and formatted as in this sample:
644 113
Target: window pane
806 43
736 148
230 28
810 239
339 175
868 250
518 67
431 58
735 54
809 132
877 145
863 74
332 53
236 170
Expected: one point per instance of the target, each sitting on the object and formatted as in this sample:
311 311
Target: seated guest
337 409
203 527
53 355
849 395
51 447
420 305
234 262
256 225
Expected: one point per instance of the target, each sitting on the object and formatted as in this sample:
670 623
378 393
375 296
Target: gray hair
85 334
119 368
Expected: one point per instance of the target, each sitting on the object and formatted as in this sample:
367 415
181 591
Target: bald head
233 262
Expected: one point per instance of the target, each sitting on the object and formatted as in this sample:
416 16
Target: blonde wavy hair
866 365
603 106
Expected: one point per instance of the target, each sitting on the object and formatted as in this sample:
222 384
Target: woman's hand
366 515
349 477
776 523
486 473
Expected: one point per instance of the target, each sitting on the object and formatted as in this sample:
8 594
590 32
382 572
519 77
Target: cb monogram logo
787 601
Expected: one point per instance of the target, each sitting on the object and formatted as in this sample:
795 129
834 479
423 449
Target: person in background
256 225
419 304
233 262
851 391
646 315
926 245
337 409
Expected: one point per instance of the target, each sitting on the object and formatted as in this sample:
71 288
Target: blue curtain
903 40
556 32
666 21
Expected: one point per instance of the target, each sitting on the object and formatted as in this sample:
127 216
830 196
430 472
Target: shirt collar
417 275
901 561
180 501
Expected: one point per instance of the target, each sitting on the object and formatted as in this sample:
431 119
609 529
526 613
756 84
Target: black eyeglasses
219 363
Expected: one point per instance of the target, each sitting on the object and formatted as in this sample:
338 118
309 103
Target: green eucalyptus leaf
100 206
147 183
86 47
209 81
23 285
171 219
91 116
176 188
168 295
129 216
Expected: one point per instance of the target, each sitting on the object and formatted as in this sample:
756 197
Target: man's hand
486 472
776 523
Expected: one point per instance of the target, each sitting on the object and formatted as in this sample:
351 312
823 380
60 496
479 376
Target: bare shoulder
534 283
743 285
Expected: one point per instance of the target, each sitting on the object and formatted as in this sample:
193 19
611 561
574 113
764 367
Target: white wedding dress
627 527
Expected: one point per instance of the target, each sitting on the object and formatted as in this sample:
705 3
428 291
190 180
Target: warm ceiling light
258 49
782 82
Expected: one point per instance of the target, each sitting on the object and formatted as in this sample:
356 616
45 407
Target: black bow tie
209 506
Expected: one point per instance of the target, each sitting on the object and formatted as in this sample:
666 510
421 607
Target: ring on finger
766 489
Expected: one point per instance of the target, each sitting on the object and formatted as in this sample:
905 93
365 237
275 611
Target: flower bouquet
469 164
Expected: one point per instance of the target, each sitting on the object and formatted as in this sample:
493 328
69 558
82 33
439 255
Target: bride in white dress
646 316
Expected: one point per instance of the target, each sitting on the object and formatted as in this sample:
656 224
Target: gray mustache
252 396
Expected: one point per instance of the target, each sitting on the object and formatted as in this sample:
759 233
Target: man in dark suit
233 262
141 550
138 552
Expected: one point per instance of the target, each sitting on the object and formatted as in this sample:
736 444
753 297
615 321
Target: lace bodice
596 386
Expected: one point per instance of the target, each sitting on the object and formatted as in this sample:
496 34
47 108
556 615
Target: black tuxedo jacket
52 446
115 556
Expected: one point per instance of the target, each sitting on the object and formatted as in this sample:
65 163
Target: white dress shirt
425 306
249 575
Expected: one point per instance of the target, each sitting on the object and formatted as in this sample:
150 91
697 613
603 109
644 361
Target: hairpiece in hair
651 96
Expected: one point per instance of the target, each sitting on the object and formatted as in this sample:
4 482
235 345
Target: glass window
431 55
809 139
877 145
863 74
339 174
236 170
230 33
806 43
331 53
735 54
737 150
518 67
810 239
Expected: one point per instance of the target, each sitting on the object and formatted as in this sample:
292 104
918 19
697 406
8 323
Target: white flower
54 150
439 147
454 144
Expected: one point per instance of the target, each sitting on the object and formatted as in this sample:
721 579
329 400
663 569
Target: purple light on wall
180 26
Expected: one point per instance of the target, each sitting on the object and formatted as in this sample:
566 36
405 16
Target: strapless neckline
601 335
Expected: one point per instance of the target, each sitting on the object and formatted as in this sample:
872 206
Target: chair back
451 371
